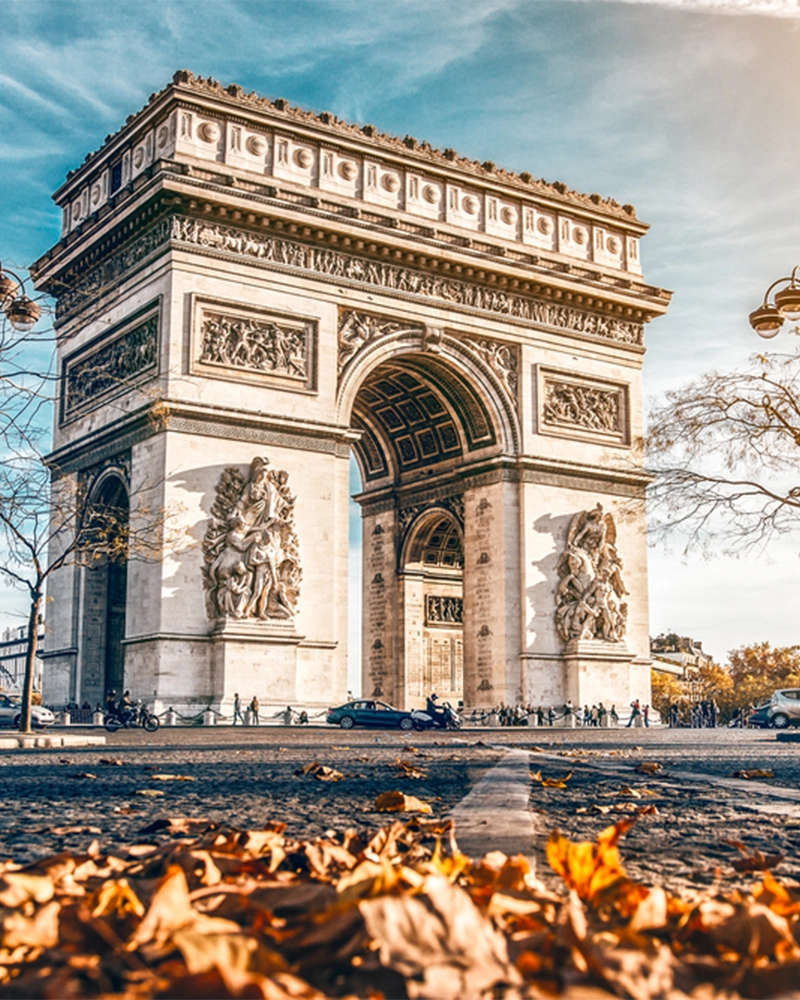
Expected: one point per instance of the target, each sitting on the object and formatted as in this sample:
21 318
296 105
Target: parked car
784 708
10 709
759 717
366 712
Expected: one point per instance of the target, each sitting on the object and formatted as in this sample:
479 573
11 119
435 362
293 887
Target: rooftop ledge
207 126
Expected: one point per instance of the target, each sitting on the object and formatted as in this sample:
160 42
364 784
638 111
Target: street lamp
769 317
21 312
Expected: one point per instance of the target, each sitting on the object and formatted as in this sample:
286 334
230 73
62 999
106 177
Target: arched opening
421 419
432 588
105 584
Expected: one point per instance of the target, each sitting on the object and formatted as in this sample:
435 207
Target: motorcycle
138 716
444 717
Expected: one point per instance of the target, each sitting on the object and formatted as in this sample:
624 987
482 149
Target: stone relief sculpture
252 567
589 601
442 610
501 358
255 345
568 404
357 329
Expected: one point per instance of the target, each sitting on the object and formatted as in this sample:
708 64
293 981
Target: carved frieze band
109 367
576 407
184 231
442 610
83 285
335 264
233 342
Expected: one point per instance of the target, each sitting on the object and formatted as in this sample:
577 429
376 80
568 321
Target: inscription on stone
376 611
484 659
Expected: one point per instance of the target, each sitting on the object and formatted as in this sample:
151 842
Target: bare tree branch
725 450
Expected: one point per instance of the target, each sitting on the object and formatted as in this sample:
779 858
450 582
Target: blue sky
689 110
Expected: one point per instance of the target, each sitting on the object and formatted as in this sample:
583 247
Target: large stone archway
249 293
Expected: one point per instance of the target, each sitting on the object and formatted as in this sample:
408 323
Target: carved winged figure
251 562
589 593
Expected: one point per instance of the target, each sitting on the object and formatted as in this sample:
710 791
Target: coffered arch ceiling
416 412
435 542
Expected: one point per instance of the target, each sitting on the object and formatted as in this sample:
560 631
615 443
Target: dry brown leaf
38 931
19 887
753 774
649 767
556 782
400 802
440 941
171 777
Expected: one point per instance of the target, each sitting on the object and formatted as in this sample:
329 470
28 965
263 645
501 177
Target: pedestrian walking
646 715
254 710
237 709
636 712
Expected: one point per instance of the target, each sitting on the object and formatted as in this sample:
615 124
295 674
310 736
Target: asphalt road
57 799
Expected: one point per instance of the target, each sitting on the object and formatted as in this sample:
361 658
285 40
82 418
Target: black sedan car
758 718
366 712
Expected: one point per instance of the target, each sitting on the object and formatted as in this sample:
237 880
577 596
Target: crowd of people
528 715
697 715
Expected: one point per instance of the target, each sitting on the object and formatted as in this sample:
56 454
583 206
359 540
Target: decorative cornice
184 82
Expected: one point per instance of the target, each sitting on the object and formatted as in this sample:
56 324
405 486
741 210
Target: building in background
678 655
13 650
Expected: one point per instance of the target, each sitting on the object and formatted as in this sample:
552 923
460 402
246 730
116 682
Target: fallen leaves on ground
753 861
551 782
171 777
648 767
408 769
321 772
754 773
217 912
400 802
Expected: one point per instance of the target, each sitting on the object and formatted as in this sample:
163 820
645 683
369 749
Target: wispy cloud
765 8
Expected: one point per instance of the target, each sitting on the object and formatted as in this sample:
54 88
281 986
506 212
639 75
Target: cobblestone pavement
56 799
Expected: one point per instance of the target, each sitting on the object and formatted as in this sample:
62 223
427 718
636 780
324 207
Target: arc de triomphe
247 293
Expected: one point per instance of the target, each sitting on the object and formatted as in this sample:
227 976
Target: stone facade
247 293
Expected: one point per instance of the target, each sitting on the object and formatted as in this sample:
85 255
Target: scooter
445 717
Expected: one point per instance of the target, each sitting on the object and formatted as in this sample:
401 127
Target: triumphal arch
247 294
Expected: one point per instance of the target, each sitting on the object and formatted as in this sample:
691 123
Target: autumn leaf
321 772
171 777
551 782
400 802
648 767
589 868
409 770
557 782
753 774
152 793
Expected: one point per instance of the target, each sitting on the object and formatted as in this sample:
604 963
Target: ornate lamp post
20 311
768 319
